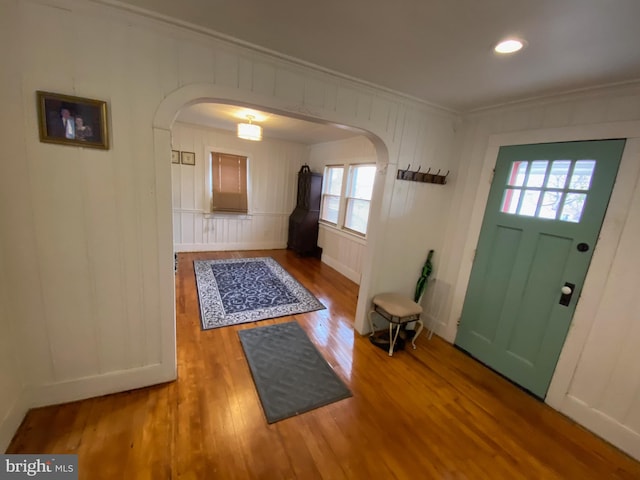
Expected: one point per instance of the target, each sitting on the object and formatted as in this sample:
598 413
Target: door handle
567 293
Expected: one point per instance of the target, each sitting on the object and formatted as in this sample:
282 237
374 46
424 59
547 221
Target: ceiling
439 51
227 117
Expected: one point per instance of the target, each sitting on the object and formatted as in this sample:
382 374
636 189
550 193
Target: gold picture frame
188 158
73 121
175 156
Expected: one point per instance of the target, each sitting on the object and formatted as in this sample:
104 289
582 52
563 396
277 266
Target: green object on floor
421 285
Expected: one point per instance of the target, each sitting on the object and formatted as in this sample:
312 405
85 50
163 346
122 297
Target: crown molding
630 86
233 41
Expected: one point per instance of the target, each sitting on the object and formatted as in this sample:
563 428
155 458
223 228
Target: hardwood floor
430 413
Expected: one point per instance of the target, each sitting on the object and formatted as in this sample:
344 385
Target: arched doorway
163 121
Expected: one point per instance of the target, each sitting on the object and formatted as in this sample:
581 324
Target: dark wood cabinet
303 222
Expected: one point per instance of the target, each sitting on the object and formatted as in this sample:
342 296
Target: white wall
414 216
21 305
79 225
597 379
400 130
273 168
342 250
12 404
88 233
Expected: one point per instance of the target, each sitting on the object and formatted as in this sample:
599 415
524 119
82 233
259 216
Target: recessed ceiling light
510 45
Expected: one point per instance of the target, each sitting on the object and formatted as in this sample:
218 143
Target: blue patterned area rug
242 290
290 374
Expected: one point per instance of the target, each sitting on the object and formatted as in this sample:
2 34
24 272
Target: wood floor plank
428 413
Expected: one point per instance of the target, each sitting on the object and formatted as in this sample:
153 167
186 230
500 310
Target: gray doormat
290 374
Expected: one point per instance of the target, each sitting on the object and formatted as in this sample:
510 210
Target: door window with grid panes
554 190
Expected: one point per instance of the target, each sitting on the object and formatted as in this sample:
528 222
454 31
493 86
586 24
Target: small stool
397 310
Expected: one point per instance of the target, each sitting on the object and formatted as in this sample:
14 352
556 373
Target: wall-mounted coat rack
424 177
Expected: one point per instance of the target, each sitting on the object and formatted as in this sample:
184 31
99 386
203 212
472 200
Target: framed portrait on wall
188 158
74 121
175 156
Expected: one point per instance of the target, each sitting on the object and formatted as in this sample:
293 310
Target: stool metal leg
392 337
418 331
371 322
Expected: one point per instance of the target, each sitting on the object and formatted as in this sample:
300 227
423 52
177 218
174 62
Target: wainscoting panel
12 405
342 251
255 232
273 166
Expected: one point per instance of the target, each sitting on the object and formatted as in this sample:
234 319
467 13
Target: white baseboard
79 389
10 423
95 386
606 427
430 322
219 247
343 269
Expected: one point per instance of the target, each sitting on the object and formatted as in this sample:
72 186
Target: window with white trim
228 183
331 193
346 204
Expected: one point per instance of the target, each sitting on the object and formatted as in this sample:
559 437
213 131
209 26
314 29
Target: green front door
540 227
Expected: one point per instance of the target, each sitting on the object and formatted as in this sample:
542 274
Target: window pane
510 200
361 182
228 183
572 207
550 204
529 203
330 206
518 172
549 198
357 215
537 173
582 174
558 175
333 180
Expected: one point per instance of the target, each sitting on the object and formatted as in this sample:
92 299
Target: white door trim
611 232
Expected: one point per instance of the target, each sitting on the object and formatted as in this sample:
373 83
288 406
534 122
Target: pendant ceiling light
249 131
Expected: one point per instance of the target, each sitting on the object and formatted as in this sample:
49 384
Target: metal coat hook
443 178
422 177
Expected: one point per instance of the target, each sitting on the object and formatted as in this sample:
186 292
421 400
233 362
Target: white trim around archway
198 93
